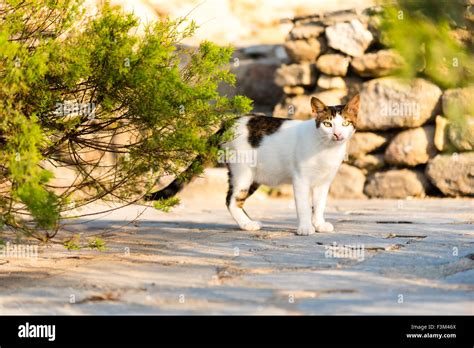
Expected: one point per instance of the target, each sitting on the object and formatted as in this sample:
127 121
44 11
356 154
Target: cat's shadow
220 227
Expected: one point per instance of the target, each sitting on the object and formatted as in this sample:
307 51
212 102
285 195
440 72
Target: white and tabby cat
306 154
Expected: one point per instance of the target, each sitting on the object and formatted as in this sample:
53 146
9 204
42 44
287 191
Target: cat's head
336 123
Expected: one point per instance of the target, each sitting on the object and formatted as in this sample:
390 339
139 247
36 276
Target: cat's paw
305 230
324 227
252 226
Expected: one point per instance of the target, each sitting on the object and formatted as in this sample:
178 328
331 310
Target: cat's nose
337 136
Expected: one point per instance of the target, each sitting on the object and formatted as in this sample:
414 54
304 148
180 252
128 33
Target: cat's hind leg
241 187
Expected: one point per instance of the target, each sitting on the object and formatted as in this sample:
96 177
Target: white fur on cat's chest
274 169
321 168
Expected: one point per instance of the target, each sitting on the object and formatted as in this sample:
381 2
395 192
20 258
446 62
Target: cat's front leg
320 194
301 190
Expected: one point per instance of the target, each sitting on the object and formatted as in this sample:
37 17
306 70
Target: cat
306 154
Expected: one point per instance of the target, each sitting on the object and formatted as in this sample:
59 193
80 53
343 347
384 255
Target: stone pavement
402 257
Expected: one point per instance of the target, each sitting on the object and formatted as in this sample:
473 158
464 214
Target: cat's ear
352 107
317 106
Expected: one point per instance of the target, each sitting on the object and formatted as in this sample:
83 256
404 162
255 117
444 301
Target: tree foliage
116 103
434 38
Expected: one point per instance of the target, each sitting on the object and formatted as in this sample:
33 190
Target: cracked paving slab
418 258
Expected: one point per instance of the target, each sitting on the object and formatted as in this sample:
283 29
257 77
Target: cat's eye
327 124
346 123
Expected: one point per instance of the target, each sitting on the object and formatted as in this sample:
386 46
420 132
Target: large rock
330 82
461 134
390 102
351 37
397 184
458 107
411 147
453 174
369 163
306 31
348 183
380 63
305 50
296 75
457 102
333 64
363 143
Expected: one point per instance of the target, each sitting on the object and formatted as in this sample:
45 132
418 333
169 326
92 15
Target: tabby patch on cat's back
260 126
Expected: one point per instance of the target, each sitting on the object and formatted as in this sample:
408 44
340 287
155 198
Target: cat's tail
191 172
177 184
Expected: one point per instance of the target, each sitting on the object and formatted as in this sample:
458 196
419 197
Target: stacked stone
396 151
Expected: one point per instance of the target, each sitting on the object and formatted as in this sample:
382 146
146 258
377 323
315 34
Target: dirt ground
385 257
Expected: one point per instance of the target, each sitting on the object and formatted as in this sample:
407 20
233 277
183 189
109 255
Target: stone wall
405 145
